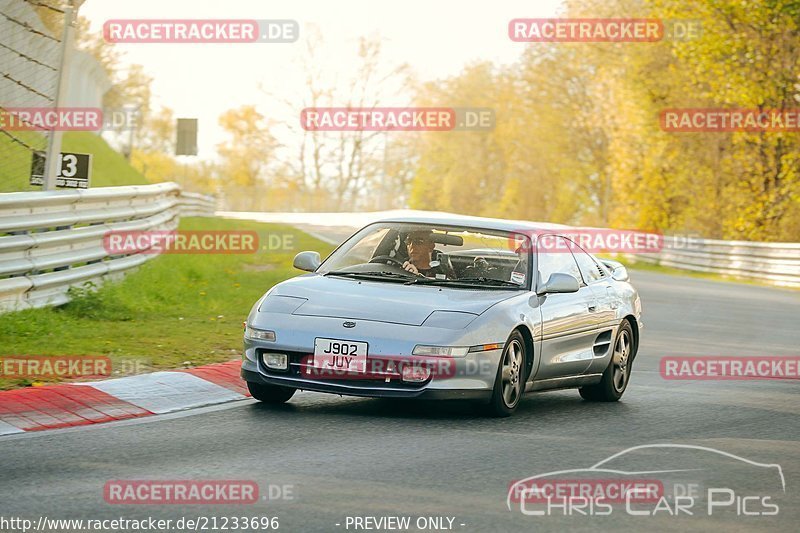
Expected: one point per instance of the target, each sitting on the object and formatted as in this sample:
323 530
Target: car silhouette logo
349 324
605 469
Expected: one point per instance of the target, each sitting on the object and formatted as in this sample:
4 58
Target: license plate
339 355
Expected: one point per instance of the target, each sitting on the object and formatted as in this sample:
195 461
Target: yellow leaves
248 152
578 137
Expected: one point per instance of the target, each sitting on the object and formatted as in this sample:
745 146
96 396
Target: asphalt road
348 457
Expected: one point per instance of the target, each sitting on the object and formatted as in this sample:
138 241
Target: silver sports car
446 307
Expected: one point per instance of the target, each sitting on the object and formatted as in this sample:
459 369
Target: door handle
592 308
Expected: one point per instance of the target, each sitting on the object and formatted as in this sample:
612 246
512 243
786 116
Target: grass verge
176 310
109 168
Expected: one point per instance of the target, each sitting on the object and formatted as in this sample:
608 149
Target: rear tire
273 394
617 375
509 383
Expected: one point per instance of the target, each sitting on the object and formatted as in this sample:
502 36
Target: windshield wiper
493 281
382 275
466 282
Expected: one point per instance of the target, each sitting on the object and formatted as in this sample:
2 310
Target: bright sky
436 37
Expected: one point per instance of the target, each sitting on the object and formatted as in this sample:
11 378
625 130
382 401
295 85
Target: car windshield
459 257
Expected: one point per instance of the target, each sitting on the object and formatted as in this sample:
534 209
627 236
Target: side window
554 256
588 267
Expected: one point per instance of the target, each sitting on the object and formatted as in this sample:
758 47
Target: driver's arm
408 265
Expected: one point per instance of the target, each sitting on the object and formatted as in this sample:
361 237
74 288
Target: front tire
273 394
509 383
617 374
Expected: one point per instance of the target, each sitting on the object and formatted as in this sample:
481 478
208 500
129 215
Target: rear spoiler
618 270
610 263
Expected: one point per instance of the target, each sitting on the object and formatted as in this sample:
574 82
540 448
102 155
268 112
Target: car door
601 284
569 322
608 302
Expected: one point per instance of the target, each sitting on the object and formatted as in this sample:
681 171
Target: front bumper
471 376
364 390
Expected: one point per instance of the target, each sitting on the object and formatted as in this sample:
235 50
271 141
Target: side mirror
559 283
308 261
620 273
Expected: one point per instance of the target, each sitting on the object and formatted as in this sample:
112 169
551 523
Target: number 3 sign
75 170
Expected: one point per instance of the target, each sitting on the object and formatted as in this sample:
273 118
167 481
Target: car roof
498 224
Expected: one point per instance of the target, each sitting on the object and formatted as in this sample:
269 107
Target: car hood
383 301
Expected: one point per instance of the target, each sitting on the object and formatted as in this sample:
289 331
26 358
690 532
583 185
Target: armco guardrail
51 241
775 263
193 204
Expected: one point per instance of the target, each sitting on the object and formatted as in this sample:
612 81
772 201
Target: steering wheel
386 260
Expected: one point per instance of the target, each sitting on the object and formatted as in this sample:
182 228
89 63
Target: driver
420 247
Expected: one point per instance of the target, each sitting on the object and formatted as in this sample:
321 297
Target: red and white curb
80 404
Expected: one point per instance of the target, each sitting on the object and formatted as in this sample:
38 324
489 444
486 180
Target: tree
247 156
346 169
578 138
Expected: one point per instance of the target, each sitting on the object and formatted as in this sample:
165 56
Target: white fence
775 263
51 241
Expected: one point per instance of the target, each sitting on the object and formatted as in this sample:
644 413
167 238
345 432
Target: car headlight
449 319
281 304
259 334
440 351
